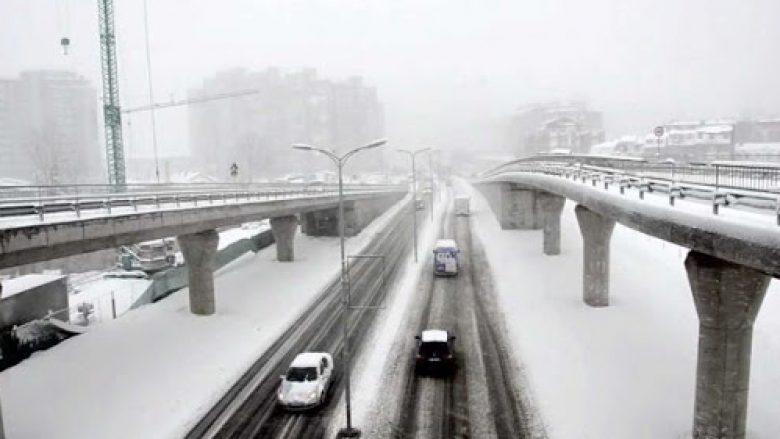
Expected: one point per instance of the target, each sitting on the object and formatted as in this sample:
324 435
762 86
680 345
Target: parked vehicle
149 256
434 352
462 206
445 258
131 274
306 383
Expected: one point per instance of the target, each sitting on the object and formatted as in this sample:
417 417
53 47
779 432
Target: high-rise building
255 130
48 128
11 165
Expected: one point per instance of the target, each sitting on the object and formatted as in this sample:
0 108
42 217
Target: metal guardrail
722 184
749 176
41 200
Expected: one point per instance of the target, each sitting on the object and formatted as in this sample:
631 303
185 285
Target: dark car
434 352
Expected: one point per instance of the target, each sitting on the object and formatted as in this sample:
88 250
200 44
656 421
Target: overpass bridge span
729 265
116 219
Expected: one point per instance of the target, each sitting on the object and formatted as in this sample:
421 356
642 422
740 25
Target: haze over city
447 72
406 219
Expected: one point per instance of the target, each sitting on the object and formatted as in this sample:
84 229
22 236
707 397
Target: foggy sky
448 72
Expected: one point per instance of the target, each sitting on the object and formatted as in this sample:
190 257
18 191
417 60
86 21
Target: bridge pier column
200 250
283 228
727 298
2 428
550 208
596 233
518 208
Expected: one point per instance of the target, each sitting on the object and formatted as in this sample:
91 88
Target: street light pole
413 154
430 171
340 161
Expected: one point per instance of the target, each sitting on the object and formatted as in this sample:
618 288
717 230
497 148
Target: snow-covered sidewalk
628 370
155 372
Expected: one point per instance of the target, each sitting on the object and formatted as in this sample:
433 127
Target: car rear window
434 349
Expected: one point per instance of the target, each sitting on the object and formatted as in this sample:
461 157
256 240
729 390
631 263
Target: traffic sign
658 131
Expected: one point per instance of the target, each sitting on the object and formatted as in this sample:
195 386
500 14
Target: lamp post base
348 432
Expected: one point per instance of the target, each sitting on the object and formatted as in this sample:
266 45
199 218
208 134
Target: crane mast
112 115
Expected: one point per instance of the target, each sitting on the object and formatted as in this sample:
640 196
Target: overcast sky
447 71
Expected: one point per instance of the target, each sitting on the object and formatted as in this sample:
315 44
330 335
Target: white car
305 385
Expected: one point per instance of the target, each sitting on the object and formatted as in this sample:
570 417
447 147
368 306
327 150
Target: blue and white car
445 258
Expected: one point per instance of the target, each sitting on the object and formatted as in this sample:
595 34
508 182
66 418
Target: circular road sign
658 131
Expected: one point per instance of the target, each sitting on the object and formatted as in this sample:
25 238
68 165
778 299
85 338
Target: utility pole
112 115
430 170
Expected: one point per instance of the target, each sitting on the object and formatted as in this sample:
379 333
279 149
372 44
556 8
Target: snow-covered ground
101 292
628 370
155 372
92 287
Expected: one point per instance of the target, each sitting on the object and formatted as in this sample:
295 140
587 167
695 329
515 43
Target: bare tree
48 156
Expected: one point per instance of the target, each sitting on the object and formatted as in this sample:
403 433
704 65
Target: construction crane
112 115
197 100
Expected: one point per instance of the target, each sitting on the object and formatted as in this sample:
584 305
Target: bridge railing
40 200
722 183
43 191
748 176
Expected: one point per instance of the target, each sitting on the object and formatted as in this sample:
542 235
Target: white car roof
434 335
308 359
446 243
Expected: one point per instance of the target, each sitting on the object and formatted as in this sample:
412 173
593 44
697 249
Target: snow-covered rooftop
446 243
434 335
307 359
765 147
23 283
716 129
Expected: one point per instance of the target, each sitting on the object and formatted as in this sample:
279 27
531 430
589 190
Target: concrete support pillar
596 232
518 208
550 208
352 224
200 250
283 229
727 298
2 428
492 194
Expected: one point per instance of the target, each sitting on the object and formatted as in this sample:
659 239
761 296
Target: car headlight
313 395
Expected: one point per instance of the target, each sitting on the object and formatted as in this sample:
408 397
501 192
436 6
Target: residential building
48 128
693 141
559 126
255 130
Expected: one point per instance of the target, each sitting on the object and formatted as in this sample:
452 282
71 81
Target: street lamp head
376 143
302 146
412 152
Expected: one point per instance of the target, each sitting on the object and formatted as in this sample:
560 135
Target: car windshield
300 374
434 349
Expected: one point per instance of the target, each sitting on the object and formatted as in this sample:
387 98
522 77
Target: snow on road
369 365
628 370
154 372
